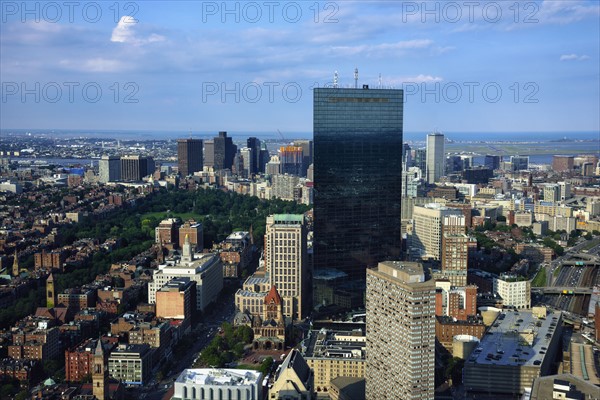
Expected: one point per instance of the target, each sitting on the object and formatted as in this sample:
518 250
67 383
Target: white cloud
574 57
566 11
421 78
98 64
382 49
125 32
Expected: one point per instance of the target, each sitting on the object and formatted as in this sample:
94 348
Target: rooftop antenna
379 86
335 79
355 78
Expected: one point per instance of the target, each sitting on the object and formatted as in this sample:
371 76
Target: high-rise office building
455 256
430 222
519 163
247 158
492 162
406 157
109 169
552 193
454 163
254 145
307 154
358 173
286 261
400 332
189 156
421 160
219 152
273 167
135 168
435 157
563 163
209 153
292 159
263 158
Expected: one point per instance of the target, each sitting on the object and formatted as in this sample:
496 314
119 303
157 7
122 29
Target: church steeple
188 255
15 266
50 292
99 374
273 306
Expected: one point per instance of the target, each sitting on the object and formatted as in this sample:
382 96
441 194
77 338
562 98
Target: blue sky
480 66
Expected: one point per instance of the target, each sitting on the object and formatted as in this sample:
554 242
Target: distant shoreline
409 137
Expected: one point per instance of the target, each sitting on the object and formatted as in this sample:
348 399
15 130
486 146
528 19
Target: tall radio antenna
335 79
355 78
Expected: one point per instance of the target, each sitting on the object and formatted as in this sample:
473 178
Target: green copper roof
288 218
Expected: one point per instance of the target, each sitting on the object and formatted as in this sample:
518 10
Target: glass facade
358 174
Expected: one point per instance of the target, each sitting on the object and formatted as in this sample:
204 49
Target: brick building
52 260
167 233
194 231
80 359
562 163
446 328
455 302
177 299
35 343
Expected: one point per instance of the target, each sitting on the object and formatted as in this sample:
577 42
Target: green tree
22 395
265 366
238 350
454 369
244 334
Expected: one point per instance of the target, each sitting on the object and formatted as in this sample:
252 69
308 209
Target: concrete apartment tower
430 223
435 157
286 261
400 332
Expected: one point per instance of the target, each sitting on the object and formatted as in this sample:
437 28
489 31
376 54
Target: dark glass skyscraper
358 175
189 156
219 152
254 145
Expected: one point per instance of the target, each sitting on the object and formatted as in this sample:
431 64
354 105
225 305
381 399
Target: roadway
570 276
204 332
562 289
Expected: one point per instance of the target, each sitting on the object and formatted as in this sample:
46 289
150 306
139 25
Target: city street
223 310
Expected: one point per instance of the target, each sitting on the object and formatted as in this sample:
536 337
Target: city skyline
357 176
167 199
168 66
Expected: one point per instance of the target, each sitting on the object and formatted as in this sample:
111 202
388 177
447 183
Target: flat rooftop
288 218
257 280
544 387
239 235
248 293
328 343
517 338
201 262
219 377
406 271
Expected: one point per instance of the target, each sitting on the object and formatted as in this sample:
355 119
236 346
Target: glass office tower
358 174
